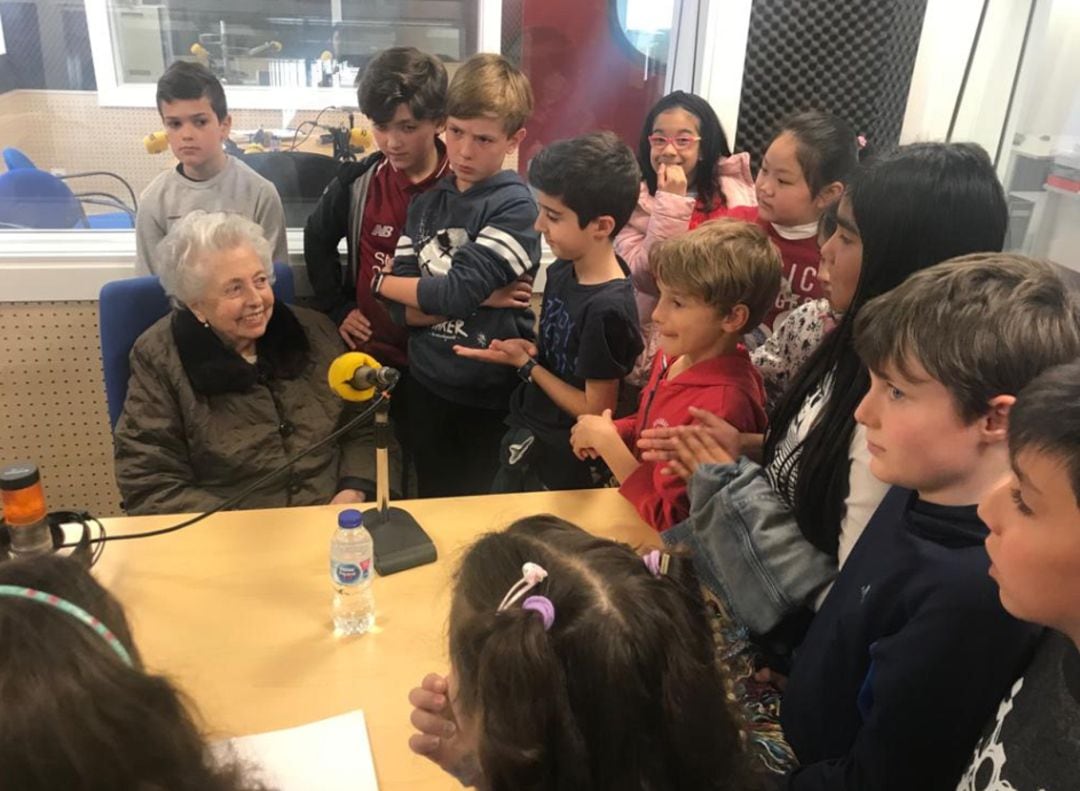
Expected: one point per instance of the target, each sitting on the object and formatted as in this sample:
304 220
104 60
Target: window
1018 98
286 65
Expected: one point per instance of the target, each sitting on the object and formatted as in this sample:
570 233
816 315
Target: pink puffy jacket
664 216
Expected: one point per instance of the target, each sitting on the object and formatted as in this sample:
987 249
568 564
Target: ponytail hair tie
543 606
656 562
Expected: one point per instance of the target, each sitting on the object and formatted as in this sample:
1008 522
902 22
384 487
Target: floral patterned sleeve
795 338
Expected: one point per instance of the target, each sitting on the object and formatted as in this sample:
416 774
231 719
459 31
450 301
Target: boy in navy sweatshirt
911 650
466 241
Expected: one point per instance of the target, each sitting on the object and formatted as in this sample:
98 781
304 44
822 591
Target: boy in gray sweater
197 122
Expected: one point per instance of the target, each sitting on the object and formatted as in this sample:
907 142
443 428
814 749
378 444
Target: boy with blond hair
466 241
715 282
911 650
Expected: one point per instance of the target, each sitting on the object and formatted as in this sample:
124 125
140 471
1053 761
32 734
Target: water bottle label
350 573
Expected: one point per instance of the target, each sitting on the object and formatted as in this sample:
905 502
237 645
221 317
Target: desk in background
236 610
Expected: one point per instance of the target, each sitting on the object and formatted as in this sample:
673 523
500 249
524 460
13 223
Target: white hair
182 255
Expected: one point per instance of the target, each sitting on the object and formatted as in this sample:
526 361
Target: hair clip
861 140
542 605
531 576
656 562
78 613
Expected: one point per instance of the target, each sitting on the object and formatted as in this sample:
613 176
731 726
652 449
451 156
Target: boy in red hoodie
715 282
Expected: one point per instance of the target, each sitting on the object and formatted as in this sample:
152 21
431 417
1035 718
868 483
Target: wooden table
236 610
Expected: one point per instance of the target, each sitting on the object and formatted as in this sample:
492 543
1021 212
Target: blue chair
127 308
32 198
15 159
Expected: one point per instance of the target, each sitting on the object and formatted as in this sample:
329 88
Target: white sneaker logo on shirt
518 450
383 231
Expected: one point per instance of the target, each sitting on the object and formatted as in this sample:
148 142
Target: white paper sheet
329 754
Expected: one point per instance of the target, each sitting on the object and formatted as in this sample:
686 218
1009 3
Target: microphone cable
241 496
313 124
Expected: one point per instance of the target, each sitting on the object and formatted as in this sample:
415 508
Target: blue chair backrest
15 159
127 308
32 198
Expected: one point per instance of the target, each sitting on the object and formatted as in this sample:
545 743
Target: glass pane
284 42
1041 161
593 64
273 56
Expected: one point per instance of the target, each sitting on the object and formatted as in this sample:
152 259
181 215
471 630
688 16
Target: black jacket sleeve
327 225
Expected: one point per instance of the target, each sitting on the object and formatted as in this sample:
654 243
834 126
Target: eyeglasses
681 143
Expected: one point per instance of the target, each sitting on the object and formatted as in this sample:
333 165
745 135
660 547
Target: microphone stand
400 542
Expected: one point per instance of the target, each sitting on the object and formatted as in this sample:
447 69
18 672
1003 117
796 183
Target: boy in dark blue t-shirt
589 336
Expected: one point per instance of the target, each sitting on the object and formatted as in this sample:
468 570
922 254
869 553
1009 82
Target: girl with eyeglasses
689 176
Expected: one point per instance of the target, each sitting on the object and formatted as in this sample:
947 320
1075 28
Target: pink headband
531 576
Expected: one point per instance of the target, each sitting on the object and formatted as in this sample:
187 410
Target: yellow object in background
199 51
155 142
360 138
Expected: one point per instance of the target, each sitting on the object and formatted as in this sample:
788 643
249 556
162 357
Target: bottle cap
350 518
19 476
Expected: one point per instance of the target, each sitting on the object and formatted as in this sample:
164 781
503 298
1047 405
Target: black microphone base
400 542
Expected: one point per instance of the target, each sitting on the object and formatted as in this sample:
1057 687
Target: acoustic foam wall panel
853 58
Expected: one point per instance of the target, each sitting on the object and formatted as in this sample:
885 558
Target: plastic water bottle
353 609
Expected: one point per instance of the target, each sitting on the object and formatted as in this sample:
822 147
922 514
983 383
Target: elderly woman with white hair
230 384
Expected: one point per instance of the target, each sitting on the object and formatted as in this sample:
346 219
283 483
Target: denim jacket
747 547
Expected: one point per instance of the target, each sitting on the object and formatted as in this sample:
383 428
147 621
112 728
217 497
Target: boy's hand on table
514 351
438 738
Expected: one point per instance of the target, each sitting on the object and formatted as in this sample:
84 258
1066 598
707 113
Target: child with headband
79 711
576 664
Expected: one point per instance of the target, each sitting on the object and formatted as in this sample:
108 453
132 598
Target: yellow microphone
356 376
199 51
155 142
360 138
326 55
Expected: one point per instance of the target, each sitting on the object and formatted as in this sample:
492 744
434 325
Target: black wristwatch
525 371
